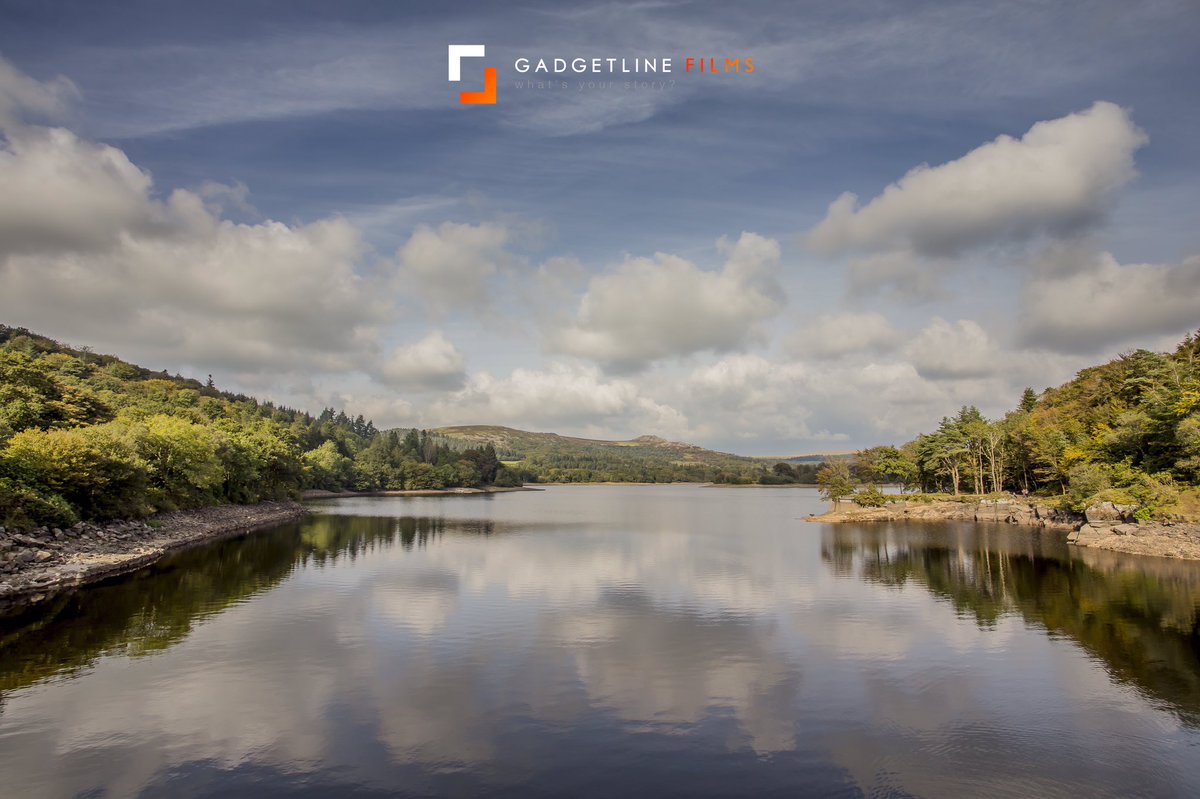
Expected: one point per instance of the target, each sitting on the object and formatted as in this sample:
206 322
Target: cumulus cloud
63 194
433 363
21 95
88 252
1086 306
904 274
811 405
653 308
1058 178
580 397
451 264
837 335
951 350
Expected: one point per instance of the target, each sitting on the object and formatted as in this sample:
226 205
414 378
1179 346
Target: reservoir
601 641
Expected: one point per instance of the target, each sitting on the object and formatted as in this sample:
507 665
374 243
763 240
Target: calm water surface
611 641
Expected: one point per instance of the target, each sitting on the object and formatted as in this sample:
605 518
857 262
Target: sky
904 208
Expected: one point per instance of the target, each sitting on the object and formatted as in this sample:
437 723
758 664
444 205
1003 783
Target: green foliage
1127 431
22 506
835 481
551 458
326 468
870 497
94 469
86 436
885 465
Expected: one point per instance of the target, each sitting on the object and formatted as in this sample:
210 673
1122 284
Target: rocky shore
1103 526
1112 527
986 510
39 563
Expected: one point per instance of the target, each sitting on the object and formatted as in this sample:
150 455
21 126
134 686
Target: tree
182 464
784 472
835 482
328 469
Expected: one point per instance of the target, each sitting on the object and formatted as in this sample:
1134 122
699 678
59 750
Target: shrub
95 469
1121 484
870 497
182 464
325 467
22 507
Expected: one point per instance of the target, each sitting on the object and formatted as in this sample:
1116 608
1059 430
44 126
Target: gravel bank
37 564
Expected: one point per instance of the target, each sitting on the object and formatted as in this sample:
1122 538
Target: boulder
1103 512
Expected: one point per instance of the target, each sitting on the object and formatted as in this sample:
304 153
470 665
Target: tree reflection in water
1139 616
154 608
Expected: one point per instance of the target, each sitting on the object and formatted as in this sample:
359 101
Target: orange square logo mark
456 53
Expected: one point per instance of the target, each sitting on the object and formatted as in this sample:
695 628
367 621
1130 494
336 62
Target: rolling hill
557 458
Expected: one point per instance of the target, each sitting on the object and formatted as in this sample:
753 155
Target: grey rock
1102 512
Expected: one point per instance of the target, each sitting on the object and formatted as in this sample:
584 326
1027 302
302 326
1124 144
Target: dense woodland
86 436
1127 431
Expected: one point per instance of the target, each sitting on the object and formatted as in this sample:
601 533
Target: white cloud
951 350
431 363
451 265
837 335
654 308
1098 303
908 276
21 95
59 193
579 397
1057 178
89 253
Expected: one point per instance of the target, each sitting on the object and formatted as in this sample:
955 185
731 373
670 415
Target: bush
182 465
22 507
326 468
870 497
422 477
95 469
1121 484
508 477
1086 481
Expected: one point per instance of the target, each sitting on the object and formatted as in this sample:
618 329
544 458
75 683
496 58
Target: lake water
612 641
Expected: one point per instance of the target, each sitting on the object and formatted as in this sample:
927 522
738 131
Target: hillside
1125 432
815 458
88 437
550 457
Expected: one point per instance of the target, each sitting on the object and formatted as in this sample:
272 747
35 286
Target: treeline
613 468
781 473
1127 432
86 436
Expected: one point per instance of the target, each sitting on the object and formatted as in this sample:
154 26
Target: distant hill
812 457
556 458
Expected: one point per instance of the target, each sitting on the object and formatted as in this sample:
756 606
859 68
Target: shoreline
42 563
1105 526
312 494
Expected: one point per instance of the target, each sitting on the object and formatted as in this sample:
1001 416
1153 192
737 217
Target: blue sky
299 205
